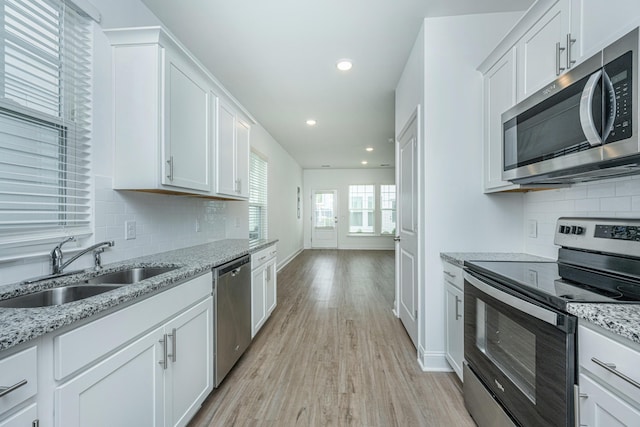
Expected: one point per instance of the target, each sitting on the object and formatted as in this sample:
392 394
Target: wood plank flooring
333 354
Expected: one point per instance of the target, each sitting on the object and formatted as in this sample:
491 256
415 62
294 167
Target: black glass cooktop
558 284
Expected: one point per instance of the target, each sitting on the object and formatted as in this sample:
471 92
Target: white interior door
407 259
324 219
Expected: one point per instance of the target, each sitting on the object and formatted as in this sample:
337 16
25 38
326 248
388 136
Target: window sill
369 235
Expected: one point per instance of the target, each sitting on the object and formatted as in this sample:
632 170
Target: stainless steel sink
57 296
132 275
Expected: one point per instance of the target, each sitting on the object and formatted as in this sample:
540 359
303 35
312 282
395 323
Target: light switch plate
129 230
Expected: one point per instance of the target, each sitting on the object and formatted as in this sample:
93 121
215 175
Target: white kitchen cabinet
26 417
125 375
607 399
263 287
19 380
454 313
232 154
163 124
595 24
542 50
499 95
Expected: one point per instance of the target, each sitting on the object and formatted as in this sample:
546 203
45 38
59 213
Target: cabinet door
187 127
600 407
24 418
499 96
258 312
225 151
189 375
126 389
537 56
242 159
595 24
271 286
455 327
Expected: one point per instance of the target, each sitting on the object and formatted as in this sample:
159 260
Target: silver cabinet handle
449 274
238 186
174 339
570 42
262 258
170 168
559 50
163 362
611 367
458 301
6 390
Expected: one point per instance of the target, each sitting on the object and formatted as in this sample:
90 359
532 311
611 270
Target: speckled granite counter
458 258
18 325
621 319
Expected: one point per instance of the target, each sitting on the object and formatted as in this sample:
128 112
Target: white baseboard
287 260
433 361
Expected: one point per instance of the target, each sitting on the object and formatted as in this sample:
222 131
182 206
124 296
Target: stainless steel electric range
520 341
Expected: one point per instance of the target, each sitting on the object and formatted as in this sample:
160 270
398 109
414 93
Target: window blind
45 96
258 168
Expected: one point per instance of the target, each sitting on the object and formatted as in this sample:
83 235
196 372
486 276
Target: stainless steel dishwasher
232 319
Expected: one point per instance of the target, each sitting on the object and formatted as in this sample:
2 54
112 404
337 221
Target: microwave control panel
620 72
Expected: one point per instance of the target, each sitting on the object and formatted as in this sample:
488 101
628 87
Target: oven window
510 346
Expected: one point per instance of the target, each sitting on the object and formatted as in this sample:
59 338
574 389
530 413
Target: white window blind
258 168
45 96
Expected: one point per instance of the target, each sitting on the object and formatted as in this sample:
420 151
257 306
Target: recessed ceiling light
369 148
311 122
344 64
364 162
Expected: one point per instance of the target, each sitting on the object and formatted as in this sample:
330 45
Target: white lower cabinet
609 394
454 317
263 287
24 418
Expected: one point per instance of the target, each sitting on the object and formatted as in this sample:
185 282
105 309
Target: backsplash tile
163 223
618 197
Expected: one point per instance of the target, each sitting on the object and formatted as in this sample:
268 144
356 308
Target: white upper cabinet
542 50
232 154
162 125
499 96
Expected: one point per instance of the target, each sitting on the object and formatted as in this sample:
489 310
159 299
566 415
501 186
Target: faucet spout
109 243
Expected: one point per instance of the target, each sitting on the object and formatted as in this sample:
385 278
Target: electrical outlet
533 228
532 277
129 230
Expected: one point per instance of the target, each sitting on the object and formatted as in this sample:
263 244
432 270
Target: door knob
396 239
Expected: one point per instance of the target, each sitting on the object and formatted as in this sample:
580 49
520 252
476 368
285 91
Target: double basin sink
77 291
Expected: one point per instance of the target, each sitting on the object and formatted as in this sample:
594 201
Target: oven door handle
536 311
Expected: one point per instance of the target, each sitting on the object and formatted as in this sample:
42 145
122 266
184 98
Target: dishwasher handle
232 267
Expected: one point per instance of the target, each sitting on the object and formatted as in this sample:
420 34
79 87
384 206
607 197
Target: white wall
456 215
163 222
340 179
609 198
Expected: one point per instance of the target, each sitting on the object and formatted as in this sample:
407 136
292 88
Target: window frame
377 211
261 205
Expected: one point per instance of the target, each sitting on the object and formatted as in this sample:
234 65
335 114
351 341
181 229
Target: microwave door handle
611 94
586 117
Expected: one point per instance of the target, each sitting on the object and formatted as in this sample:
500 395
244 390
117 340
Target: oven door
522 352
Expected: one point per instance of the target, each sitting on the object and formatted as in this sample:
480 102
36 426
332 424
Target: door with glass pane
324 221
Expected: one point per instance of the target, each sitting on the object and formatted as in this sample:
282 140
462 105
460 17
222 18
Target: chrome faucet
57 264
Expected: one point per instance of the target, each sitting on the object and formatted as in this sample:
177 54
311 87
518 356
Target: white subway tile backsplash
583 206
615 204
607 189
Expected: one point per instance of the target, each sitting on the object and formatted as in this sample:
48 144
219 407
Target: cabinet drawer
25 418
262 256
14 370
453 274
85 344
594 346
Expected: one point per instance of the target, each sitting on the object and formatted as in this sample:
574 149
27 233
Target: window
387 209
257 197
324 213
364 212
361 208
45 88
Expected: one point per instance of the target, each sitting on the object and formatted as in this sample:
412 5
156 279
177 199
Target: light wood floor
333 353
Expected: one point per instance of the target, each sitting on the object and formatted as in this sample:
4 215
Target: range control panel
611 235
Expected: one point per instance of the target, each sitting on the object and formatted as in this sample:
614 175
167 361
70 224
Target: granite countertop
18 325
458 258
621 319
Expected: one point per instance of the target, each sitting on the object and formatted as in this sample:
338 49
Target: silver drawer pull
6 390
449 274
612 368
262 258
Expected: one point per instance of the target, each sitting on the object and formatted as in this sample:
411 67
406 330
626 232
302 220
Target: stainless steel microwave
581 127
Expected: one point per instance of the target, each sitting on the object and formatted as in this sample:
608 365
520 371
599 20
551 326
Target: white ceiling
277 57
